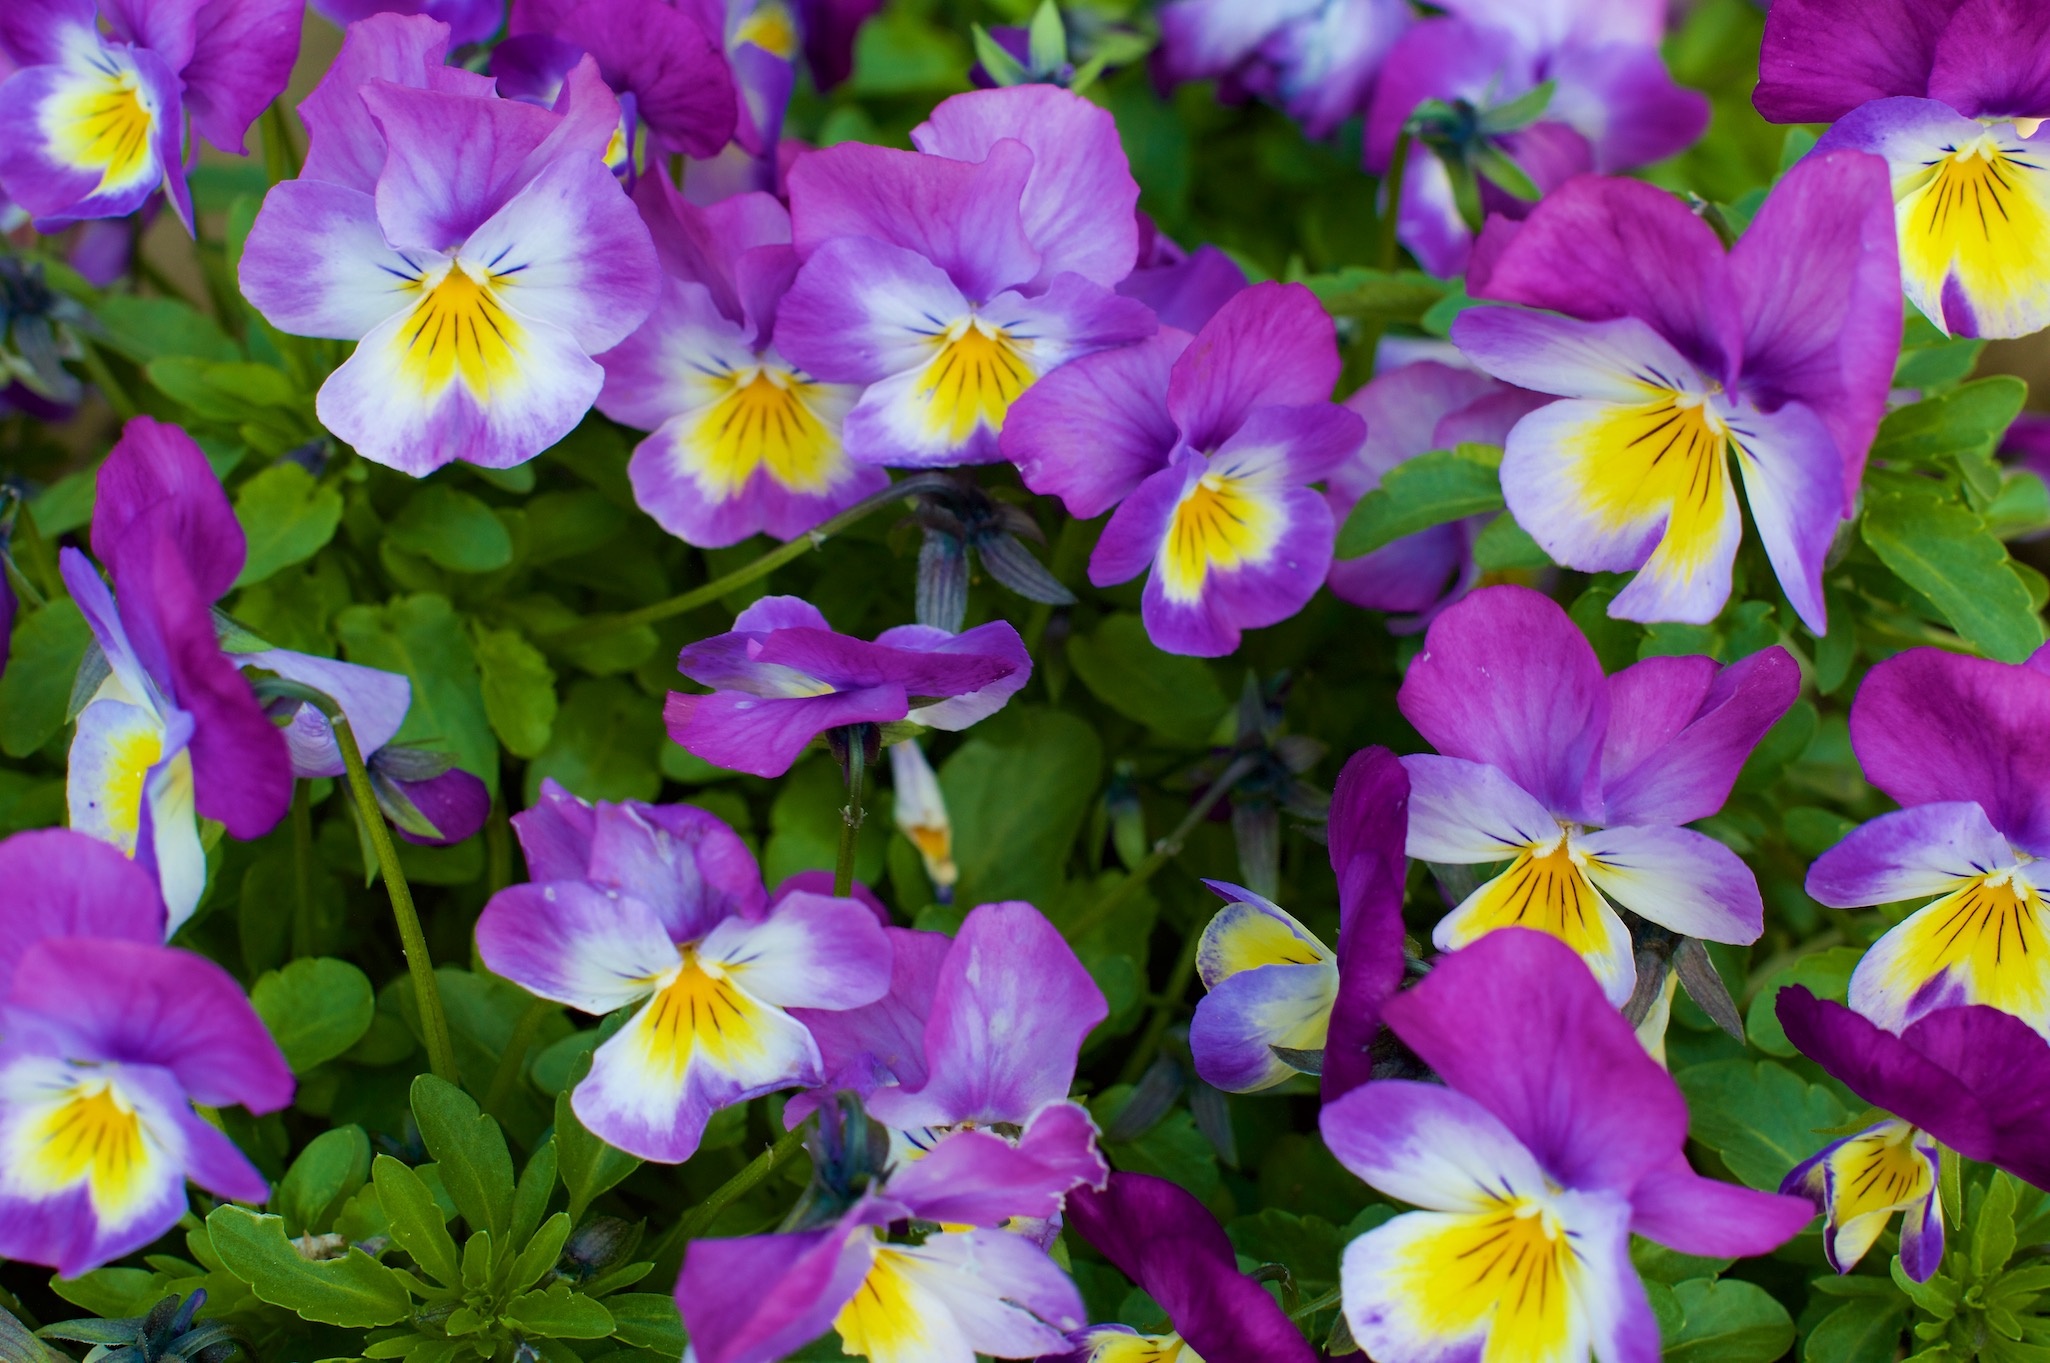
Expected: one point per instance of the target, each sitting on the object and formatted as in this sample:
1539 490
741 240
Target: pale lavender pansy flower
952 278
97 118
1582 782
1409 411
110 1039
1207 447
742 440
469 21
781 677
172 732
1317 59
1677 359
477 249
663 903
1553 1139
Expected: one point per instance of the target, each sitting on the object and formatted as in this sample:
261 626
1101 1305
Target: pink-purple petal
1092 431
1270 345
1680 730
1694 1215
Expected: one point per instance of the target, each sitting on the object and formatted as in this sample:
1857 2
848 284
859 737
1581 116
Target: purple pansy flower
1553 1139
1677 359
97 119
1964 744
469 21
1974 1078
477 249
1269 980
1953 94
1409 411
1184 288
664 903
1613 105
782 677
1317 59
1164 1240
110 1039
173 731
743 441
665 65
951 278
1582 781
1206 447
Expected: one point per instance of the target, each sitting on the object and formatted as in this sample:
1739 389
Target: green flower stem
1312 1307
741 576
1164 851
697 1218
1385 246
1164 1008
103 379
512 1060
850 814
281 157
441 1051
302 870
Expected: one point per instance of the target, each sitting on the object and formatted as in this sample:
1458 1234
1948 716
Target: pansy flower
1582 782
1964 744
1677 359
1184 288
1953 93
110 1038
1553 1139
1973 1078
663 903
1408 411
743 441
1206 447
477 249
96 120
952 278
469 21
172 731
782 677
1317 59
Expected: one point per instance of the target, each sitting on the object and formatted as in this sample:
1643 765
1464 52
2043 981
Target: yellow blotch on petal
1990 935
460 329
765 418
1115 1346
1545 888
771 29
1221 523
1879 1171
91 1135
1667 456
973 380
700 1011
129 758
1981 213
885 1319
1511 1268
1240 939
101 124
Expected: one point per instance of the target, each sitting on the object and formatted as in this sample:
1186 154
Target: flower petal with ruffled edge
1680 730
1092 431
1987 941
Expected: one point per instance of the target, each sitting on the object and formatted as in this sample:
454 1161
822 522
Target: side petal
1091 431
862 310
1429 1146
1462 813
1694 1215
1678 878
763 737
1680 730
1004 1295
1620 360
575 944
1791 465
981 1179
812 951
1910 853
1242 1018
1819 62
761 1298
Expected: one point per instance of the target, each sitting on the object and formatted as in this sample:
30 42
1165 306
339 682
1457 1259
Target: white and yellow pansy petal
171 809
763 418
1547 888
1119 1344
1463 812
1251 932
1239 1023
112 752
1677 878
1986 942
70 1131
893 1316
1228 517
1432 1147
93 132
960 1294
1974 225
1866 1178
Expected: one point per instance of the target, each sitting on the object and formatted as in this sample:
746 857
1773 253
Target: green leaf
415 1220
1003 68
1505 544
1379 295
325 1176
1761 1117
42 664
316 1008
144 329
647 1320
470 1151
109 1292
451 528
1431 489
530 1198
1728 1321
559 1313
1655 1263
1017 791
604 743
1993 1226
287 516
1175 696
1827 975
228 392
422 637
1968 421
519 689
1943 551
541 1252
354 1290
589 1165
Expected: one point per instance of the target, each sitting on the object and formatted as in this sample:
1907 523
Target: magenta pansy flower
782 677
1184 288
96 117
469 21
1553 1139
1409 411
663 903
1582 782
1206 446
1675 360
666 66
1317 59
477 249
742 441
1953 94
110 1038
952 278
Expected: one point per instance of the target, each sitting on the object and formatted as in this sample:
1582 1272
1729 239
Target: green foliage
1429 490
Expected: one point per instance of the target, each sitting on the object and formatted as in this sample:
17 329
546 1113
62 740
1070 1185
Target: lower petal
105 125
992 1290
1241 1020
1983 943
113 750
1543 889
1677 878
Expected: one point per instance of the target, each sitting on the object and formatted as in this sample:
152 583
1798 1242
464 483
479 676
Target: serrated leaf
1857 1332
324 1176
536 1186
647 1320
1175 696
470 1151
541 1252
1431 489
354 1290
1967 421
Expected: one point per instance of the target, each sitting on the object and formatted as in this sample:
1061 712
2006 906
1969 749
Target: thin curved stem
512 1060
697 1218
1164 851
850 815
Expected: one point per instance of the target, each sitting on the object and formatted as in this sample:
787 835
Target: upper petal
1684 1211
1270 345
1821 59
575 944
1429 1146
66 884
1680 730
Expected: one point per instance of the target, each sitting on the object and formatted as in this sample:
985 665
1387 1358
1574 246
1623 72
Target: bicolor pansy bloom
951 279
96 120
1971 1078
1553 1139
476 295
743 440
1207 447
1682 364
1953 94
172 731
1582 782
1316 59
662 905
781 677
1960 742
110 1038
